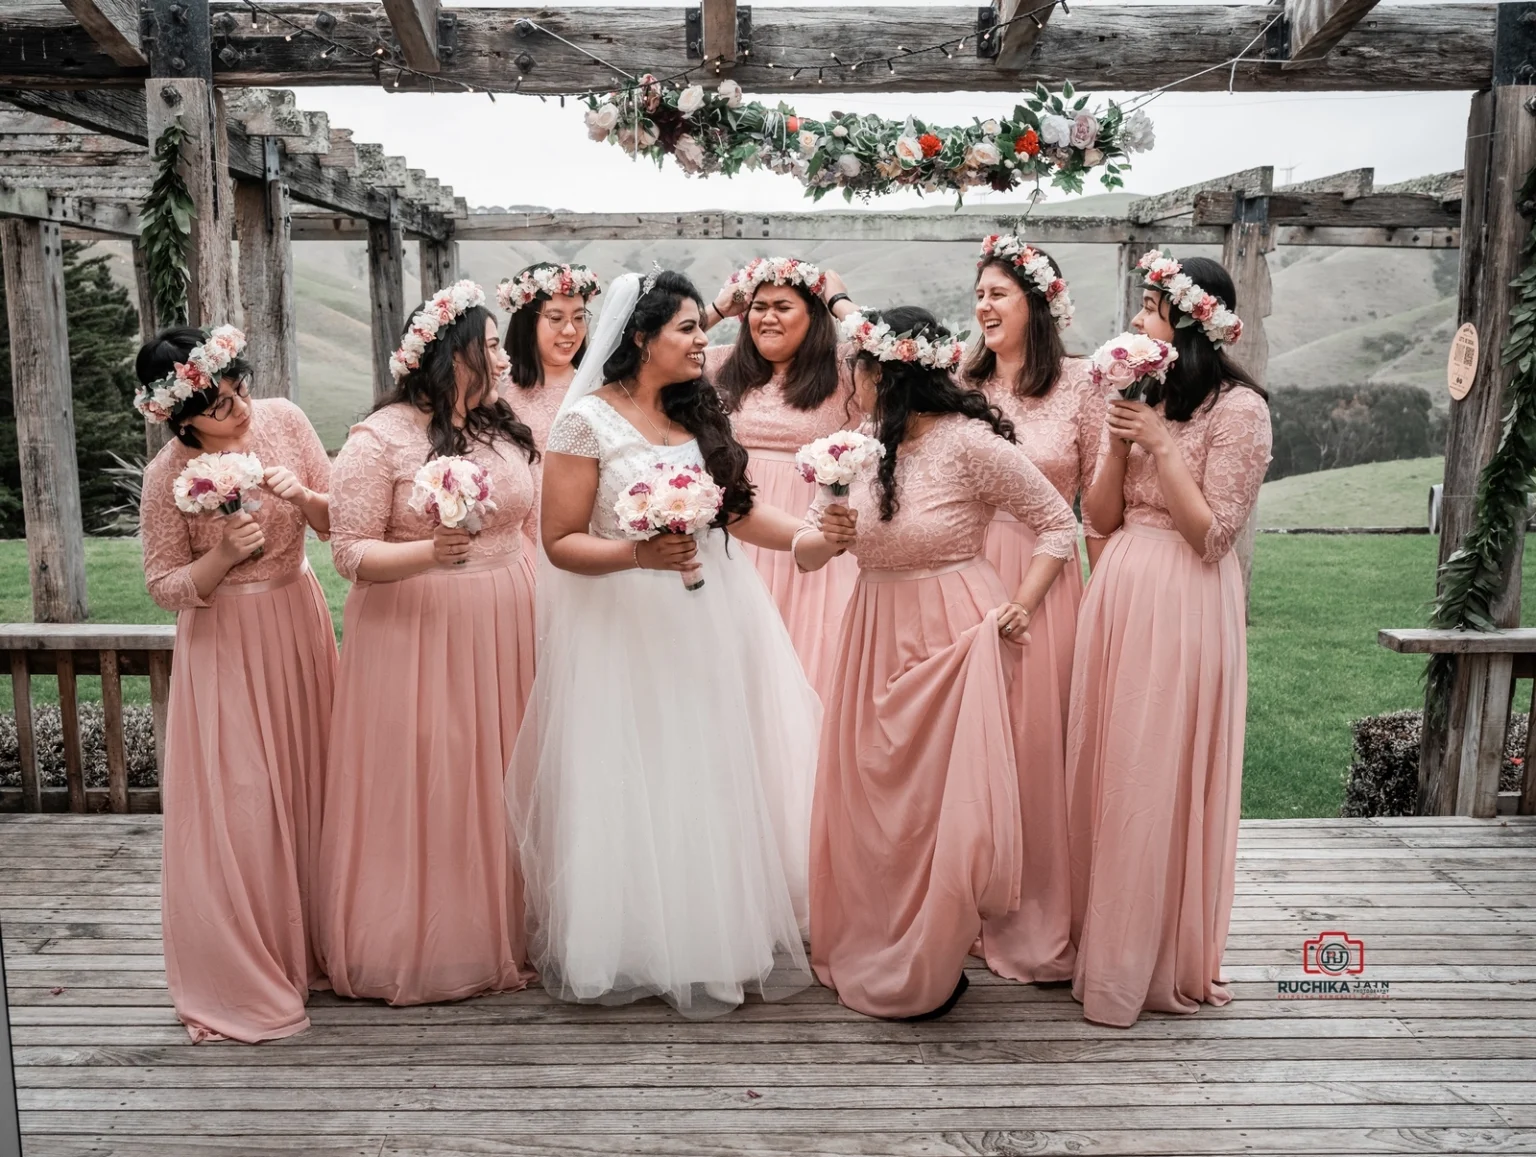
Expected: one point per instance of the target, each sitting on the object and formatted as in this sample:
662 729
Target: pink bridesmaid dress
915 833
536 406
421 900
1155 738
772 430
245 747
1060 433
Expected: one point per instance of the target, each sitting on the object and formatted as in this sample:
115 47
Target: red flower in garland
1028 144
931 144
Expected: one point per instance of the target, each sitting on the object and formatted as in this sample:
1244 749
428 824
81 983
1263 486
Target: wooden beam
1021 26
116 218
45 423
439 264
1109 47
266 287
1313 27
114 26
1379 210
386 296
1259 182
270 112
717 22
1447 188
415 25
1351 183
190 103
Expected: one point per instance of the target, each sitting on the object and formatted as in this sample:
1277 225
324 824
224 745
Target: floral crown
205 365
446 306
775 271
1036 266
876 339
1163 273
546 280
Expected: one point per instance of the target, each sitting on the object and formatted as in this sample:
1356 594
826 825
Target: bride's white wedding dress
660 787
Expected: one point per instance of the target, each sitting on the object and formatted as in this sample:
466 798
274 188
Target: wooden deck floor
1445 1064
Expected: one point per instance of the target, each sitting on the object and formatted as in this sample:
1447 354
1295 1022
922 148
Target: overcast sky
520 150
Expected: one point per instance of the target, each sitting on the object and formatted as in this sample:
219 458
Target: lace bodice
1226 448
537 406
280 435
765 421
594 429
374 476
949 481
1060 431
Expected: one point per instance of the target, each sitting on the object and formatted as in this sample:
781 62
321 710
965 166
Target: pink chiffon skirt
245 753
915 834
1035 943
811 604
1154 775
422 900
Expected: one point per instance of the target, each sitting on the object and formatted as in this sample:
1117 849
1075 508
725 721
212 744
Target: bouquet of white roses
1124 363
670 499
839 460
453 492
223 483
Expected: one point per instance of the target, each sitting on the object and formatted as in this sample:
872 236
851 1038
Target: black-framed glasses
225 406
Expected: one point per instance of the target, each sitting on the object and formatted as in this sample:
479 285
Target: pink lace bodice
1060 431
279 435
376 471
537 406
765 421
1226 447
949 481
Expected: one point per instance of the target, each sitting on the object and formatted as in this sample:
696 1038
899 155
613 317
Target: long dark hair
812 376
432 388
1043 348
1203 370
906 389
522 341
694 404
158 358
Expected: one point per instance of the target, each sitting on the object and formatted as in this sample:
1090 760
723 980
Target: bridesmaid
1022 305
250 700
546 338
421 901
785 385
1160 679
915 833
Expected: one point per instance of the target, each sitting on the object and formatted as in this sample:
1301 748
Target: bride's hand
839 526
667 552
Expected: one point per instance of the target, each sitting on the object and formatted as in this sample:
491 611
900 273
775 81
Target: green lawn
1313 662
1378 494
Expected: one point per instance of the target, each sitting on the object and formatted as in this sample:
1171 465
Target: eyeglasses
225 406
557 320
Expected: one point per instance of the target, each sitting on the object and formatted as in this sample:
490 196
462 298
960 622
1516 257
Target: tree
103 334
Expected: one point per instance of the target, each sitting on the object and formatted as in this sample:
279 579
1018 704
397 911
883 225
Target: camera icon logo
1333 954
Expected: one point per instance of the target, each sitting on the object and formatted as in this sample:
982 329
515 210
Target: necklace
666 437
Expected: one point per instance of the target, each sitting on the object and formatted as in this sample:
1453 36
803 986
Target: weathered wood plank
1381 210
439 265
69 724
1315 26
112 732
113 217
386 297
1351 183
415 26
717 33
1408 641
266 287
1257 182
114 26
1023 23
26 744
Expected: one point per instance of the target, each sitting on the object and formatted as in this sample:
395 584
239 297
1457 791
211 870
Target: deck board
1446 1064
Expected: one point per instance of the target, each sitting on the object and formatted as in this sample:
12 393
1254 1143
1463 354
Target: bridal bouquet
670 499
223 483
453 492
1124 363
839 460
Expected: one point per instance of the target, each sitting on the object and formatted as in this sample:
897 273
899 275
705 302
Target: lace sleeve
573 434
1092 440
167 544
1002 475
362 496
1239 441
314 465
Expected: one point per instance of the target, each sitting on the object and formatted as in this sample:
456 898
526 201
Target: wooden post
386 293
1501 149
26 744
1127 284
717 26
45 419
439 261
156 434
266 285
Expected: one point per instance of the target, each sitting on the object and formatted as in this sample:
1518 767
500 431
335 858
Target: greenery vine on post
1470 579
166 230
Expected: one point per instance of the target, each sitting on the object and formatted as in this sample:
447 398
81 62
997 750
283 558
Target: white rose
848 165
909 150
600 121
983 155
1092 157
732 93
991 128
689 154
1055 130
691 99
1136 134
1085 130
840 131
808 141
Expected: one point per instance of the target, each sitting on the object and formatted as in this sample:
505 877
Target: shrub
1334 426
48 738
1384 778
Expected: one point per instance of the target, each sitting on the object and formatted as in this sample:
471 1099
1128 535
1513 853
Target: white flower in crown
204 366
546 281
877 340
775 271
1037 267
1163 272
445 307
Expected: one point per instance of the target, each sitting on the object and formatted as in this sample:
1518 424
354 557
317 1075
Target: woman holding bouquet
1022 307
784 386
660 859
1159 682
250 702
422 900
916 836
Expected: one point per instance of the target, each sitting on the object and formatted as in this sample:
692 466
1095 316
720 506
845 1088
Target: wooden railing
68 652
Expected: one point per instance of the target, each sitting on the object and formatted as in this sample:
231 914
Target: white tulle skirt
660 789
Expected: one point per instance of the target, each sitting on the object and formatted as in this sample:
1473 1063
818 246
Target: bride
660 787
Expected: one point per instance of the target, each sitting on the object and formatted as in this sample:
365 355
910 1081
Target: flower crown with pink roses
876 339
545 280
160 401
775 271
446 307
1036 266
1165 274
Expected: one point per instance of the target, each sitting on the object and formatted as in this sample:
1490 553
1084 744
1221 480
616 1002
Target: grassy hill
1379 494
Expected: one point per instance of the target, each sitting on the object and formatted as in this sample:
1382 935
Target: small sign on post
1462 367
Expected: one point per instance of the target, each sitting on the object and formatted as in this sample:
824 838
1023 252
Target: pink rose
1085 130
906 349
1203 309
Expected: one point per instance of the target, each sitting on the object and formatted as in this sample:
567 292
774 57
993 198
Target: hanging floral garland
1053 137
165 229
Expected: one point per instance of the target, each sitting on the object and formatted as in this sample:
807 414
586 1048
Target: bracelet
794 545
835 298
1023 610
637 555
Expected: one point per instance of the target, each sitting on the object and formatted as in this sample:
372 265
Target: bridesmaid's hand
284 483
667 552
1012 621
727 304
839 525
1140 423
243 537
450 547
